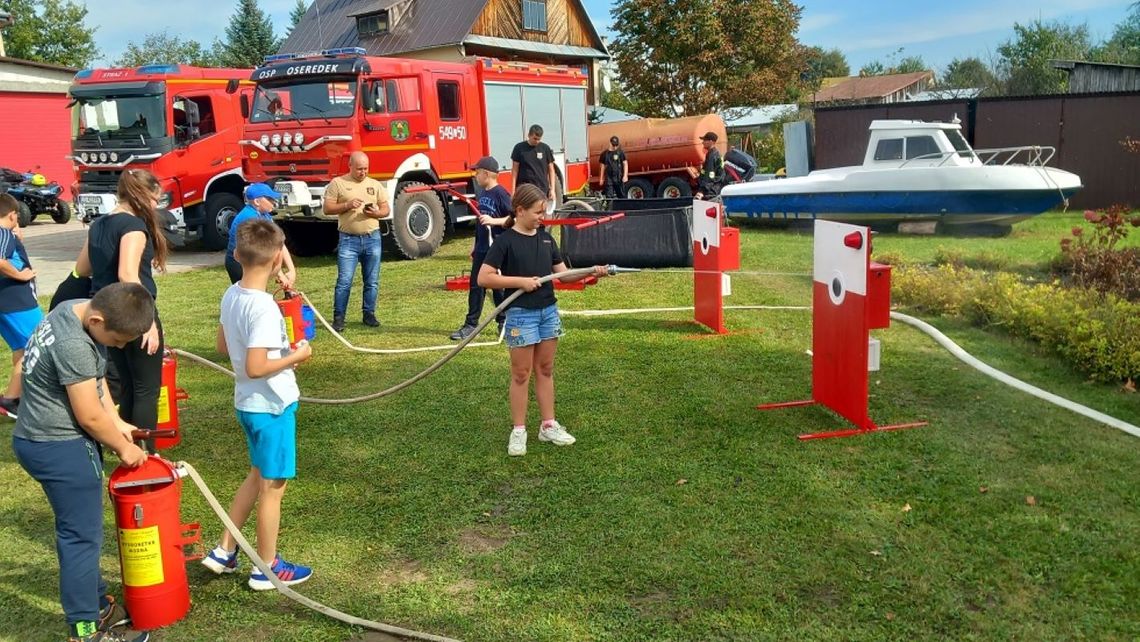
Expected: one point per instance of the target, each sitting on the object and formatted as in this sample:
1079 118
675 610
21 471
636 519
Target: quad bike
35 196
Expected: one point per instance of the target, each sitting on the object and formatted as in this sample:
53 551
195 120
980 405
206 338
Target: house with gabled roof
872 90
547 31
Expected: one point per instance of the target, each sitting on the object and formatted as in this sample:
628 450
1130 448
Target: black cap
488 163
709 136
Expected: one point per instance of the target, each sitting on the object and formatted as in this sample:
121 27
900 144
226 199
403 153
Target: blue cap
261 190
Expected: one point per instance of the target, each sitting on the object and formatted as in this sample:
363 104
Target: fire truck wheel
639 188
62 213
221 208
23 214
674 187
417 223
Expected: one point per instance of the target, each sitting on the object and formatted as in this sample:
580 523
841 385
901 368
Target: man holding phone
359 202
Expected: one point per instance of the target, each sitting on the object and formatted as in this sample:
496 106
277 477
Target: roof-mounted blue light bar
159 69
339 51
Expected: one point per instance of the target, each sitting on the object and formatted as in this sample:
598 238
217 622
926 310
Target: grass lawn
681 513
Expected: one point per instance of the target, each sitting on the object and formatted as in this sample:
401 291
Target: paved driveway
53 248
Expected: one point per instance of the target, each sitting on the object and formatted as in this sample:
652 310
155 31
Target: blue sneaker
289 574
221 561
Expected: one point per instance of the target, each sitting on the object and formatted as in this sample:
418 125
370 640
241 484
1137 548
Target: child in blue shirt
19 311
494 210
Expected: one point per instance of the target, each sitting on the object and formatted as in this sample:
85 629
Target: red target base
869 427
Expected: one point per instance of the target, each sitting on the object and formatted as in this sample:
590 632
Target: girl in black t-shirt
124 246
517 260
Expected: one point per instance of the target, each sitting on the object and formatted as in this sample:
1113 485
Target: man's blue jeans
352 249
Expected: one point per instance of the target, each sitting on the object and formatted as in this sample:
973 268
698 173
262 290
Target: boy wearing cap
712 172
494 208
615 169
260 201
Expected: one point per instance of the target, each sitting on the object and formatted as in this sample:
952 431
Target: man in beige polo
359 202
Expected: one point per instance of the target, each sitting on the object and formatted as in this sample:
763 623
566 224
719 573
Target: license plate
90 199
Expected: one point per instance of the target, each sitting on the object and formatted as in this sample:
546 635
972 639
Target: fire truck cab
420 123
181 123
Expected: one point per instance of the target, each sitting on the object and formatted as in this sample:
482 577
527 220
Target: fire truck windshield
303 99
119 117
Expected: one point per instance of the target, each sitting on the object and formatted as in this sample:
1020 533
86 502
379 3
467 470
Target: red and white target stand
716 250
850 297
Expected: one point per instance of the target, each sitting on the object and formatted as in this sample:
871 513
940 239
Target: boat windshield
960 143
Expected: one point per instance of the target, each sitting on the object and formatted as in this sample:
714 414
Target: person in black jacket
615 169
712 171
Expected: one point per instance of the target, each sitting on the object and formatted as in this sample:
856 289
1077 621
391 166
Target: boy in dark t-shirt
66 418
494 211
532 162
19 310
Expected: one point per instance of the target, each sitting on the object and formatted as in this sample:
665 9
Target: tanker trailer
664 154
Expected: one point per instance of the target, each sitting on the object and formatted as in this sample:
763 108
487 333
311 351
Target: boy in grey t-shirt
65 417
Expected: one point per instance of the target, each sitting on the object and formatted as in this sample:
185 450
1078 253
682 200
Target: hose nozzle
614 269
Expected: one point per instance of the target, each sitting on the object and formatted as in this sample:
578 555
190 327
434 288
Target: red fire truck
180 122
420 122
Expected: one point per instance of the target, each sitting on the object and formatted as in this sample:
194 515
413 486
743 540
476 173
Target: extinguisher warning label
142 557
163 404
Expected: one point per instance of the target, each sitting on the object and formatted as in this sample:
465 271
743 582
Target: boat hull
951 207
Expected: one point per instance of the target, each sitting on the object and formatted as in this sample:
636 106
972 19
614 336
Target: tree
249 37
827 64
51 31
163 48
1124 45
873 68
968 73
1026 59
910 65
296 14
702 56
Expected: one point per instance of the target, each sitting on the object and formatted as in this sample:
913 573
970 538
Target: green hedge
1099 334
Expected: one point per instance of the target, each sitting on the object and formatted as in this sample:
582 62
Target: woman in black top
122 247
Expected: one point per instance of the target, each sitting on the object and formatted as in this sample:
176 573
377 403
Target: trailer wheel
24 214
674 187
638 188
418 222
221 208
62 212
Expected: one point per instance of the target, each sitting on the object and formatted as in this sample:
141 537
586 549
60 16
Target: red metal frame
868 427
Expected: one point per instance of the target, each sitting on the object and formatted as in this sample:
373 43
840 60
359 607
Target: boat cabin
916 143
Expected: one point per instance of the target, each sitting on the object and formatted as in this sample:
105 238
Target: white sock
221 552
522 428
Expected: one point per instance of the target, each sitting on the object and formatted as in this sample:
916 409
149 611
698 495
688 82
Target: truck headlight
298 138
265 140
114 157
102 157
84 157
287 138
165 201
275 139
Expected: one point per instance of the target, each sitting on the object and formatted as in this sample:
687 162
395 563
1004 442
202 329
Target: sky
864 30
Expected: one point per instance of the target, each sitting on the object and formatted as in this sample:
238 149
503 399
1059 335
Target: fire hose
577 272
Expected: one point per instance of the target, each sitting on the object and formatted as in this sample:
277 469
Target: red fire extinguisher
290 305
169 394
151 540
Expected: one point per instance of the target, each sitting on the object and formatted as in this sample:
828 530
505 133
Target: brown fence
1086 130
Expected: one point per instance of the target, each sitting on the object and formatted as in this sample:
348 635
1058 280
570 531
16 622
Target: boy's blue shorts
18 327
525 327
272 441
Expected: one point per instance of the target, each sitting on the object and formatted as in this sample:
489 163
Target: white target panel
706 228
839 264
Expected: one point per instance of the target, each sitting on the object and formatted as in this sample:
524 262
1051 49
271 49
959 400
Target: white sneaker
556 435
516 447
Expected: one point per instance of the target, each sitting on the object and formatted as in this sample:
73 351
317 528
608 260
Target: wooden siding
566 23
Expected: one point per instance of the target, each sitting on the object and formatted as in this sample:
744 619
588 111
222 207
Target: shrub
1099 334
1093 260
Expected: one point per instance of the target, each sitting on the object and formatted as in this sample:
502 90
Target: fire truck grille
297 168
99 181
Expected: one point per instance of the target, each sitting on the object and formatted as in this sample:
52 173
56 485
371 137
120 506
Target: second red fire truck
420 122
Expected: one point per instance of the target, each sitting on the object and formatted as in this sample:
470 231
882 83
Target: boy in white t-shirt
252 333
